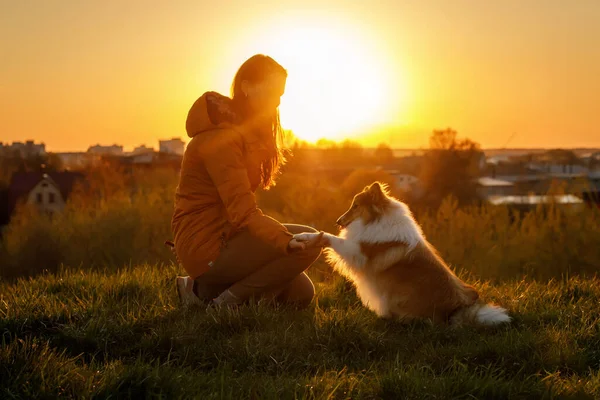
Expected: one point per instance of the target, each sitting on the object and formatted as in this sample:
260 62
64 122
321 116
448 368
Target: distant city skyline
174 144
398 150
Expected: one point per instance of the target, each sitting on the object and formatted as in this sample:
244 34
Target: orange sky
76 73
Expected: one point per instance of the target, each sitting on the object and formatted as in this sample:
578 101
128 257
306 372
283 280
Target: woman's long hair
255 70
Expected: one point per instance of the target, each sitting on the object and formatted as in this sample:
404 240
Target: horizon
371 73
129 149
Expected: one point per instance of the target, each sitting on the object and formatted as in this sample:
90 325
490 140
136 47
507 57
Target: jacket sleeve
224 162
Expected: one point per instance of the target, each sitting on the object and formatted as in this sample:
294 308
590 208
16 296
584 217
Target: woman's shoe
185 290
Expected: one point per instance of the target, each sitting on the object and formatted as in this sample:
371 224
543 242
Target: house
528 202
29 148
403 180
591 159
171 146
557 169
46 191
498 159
528 190
77 160
151 159
114 150
142 158
488 186
142 149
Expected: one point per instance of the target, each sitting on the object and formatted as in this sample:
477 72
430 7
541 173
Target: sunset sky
75 73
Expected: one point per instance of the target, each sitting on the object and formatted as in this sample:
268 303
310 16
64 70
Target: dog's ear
375 190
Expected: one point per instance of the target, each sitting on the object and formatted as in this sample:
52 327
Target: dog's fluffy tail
481 314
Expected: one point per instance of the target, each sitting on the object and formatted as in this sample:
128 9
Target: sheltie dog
396 271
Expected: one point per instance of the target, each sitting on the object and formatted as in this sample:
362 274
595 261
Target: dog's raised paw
312 239
308 237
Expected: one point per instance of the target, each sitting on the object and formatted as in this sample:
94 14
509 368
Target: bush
486 241
127 228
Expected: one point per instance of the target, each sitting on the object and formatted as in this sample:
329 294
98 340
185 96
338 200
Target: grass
120 333
74 323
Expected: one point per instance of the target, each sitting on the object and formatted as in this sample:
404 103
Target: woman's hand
312 239
295 245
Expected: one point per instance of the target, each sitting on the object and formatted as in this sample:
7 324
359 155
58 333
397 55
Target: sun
338 85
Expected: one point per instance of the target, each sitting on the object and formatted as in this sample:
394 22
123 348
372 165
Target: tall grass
130 226
495 243
125 228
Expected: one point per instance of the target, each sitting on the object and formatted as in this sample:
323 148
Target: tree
12 161
351 150
450 167
358 179
383 153
325 144
562 157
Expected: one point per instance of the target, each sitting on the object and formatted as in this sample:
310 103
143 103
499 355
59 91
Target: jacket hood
211 110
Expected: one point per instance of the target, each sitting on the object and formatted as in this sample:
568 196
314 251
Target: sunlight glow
338 85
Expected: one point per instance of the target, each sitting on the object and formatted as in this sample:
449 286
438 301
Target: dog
396 271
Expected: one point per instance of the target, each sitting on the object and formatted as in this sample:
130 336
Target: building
172 146
406 182
142 150
488 186
553 168
29 148
77 160
403 181
529 202
48 192
114 150
142 158
529 190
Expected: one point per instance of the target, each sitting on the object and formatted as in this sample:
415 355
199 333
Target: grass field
76 323
116 334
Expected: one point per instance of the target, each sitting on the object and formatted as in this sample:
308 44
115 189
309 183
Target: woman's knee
303 259
300 292
305 299
309 292
313 254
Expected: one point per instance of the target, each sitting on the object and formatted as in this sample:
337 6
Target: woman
231 250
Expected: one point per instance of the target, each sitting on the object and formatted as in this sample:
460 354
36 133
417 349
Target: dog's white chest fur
346 255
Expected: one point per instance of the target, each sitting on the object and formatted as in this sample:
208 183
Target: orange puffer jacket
215 197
